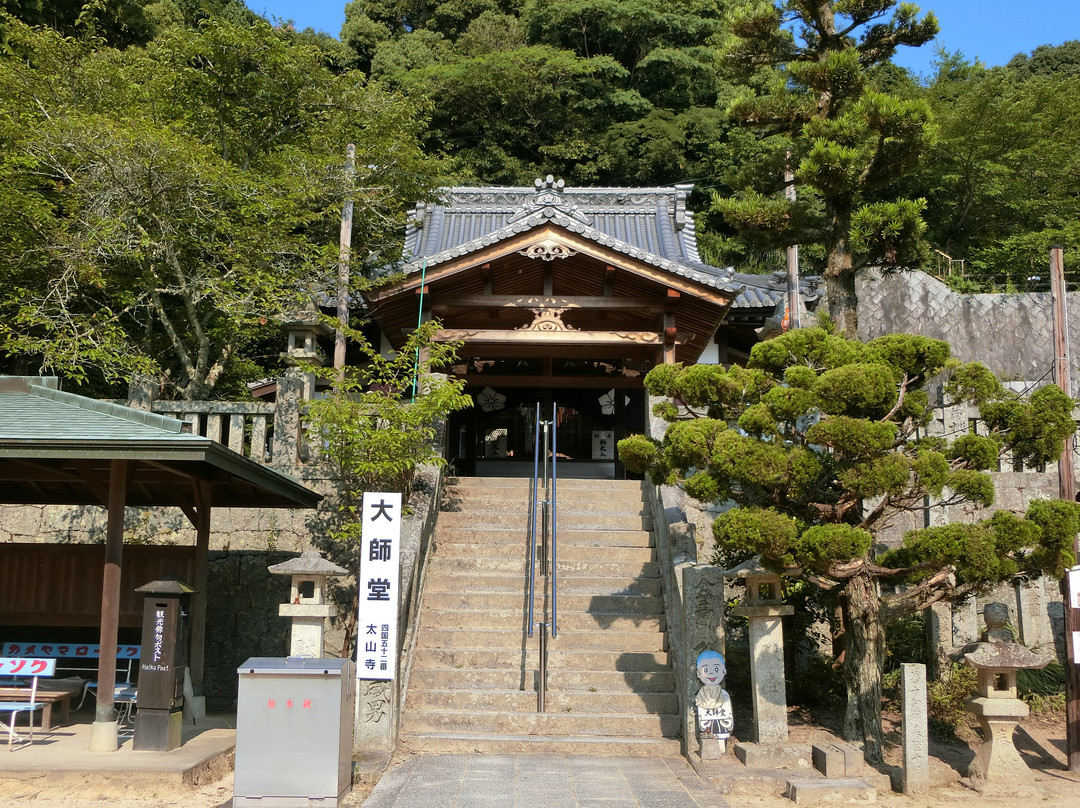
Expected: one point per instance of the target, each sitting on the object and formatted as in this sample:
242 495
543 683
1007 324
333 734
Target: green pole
419 322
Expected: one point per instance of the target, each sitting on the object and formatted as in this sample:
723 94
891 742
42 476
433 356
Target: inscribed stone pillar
763 607
767 679
287 418
1030 611
916 771
965 624
703 629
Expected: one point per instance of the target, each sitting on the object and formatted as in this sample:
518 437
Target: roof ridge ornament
547 201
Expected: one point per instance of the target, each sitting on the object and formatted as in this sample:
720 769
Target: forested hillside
175 169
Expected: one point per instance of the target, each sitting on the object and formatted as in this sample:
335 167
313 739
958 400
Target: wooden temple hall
566 297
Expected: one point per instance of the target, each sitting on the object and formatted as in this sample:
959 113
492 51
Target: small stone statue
714 716
996 616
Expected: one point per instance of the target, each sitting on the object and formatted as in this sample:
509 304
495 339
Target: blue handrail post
532 519
551 505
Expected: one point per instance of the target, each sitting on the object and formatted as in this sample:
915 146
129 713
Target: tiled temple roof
652 225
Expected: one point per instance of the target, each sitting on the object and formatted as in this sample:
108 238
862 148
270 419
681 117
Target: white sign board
1073 575
379 585
603 444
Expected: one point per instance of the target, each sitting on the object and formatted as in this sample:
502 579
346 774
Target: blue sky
991 30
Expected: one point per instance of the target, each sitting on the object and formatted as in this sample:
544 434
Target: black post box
162 664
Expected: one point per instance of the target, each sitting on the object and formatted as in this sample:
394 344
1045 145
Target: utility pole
792 258
1067 491
344 245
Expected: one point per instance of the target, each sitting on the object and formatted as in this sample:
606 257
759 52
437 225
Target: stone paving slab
542 781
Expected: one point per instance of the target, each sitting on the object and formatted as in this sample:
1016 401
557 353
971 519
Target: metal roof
652 225
55 447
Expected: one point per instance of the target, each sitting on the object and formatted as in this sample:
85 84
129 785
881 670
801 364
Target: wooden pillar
203 504
620 430
669 338
669 326
103 735
1066 491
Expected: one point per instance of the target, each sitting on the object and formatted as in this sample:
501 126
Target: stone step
462 619
611 640
548 723
523 701
456 547
520 537
487 565
460 742
516 659
558 681
525 484
518 519
458 592
569 586
454 499
826 791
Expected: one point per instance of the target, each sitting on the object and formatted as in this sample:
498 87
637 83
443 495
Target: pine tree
821 441
843 140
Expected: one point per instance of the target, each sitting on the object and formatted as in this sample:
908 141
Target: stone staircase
610 687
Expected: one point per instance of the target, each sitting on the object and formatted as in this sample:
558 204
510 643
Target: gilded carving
547 320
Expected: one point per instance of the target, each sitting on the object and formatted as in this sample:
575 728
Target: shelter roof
652 225
55 447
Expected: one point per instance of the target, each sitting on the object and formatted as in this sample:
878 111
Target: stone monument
307 604
997 658
714 717
762 606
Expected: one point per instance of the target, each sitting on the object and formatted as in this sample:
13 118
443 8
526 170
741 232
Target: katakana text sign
379 583
27 666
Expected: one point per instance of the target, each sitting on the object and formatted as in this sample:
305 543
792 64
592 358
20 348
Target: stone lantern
307 606
304 330
997 659
762 605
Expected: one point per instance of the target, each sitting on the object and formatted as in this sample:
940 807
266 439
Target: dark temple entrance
496 436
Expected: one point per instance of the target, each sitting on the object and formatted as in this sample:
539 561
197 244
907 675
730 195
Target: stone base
837 759
997 759
712 748
774 755
104 736
829 791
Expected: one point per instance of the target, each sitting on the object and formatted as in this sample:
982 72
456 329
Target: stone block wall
1012 334
242 618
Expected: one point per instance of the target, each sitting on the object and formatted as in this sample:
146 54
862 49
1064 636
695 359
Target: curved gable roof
651 225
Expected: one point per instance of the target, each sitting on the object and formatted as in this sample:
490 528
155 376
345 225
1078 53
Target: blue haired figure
714 716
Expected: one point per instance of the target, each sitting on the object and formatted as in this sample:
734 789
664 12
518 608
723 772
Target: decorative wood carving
547 320
563 336
547 251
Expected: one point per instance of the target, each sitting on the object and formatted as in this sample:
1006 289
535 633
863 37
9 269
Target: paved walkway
542 781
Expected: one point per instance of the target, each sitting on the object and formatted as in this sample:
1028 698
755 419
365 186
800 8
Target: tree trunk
840 270
840 290
865 656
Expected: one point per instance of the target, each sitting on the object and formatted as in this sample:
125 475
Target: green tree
378 425
847 141
821 440
1002 180
185 197
601 92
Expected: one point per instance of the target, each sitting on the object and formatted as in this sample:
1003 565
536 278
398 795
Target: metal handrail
532 520
547 569
551 506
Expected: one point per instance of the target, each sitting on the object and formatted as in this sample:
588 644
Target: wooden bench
47 698
25 668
